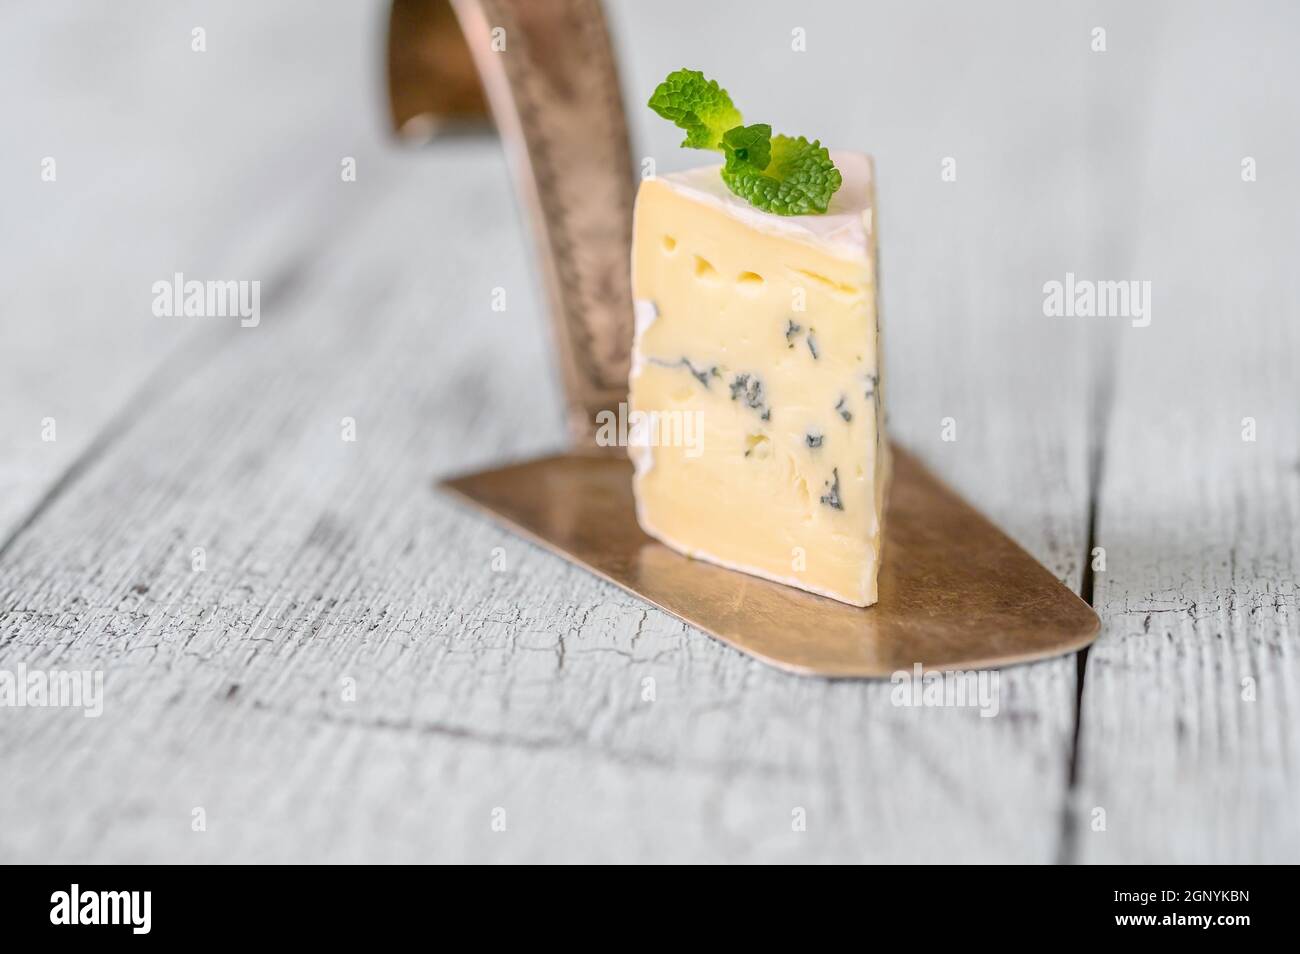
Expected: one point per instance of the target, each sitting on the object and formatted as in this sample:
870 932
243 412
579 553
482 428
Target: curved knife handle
552 83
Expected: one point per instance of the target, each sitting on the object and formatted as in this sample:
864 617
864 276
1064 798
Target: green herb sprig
786 175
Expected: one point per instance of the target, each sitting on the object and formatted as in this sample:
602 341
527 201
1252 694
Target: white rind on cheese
845 229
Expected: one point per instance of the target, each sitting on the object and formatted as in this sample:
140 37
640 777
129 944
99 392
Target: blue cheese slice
756 380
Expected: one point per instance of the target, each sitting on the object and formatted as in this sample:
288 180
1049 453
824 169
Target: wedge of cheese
756 404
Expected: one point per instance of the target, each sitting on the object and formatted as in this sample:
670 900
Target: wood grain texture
475 689
1188 740
216 164
523 688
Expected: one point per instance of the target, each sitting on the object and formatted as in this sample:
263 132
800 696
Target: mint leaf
798 179
748 145
698 105
782 174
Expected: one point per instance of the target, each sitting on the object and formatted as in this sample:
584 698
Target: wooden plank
1188 741
221 164
524 689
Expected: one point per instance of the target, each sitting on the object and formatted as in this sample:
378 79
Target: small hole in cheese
804 498
842 289
757 445
750 280
670 244
704 268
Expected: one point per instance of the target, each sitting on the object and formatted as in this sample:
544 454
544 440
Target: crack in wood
1101 405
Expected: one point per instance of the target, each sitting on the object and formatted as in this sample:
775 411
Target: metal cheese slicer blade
954 591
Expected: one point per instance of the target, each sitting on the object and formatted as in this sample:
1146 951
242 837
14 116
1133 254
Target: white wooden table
329 564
